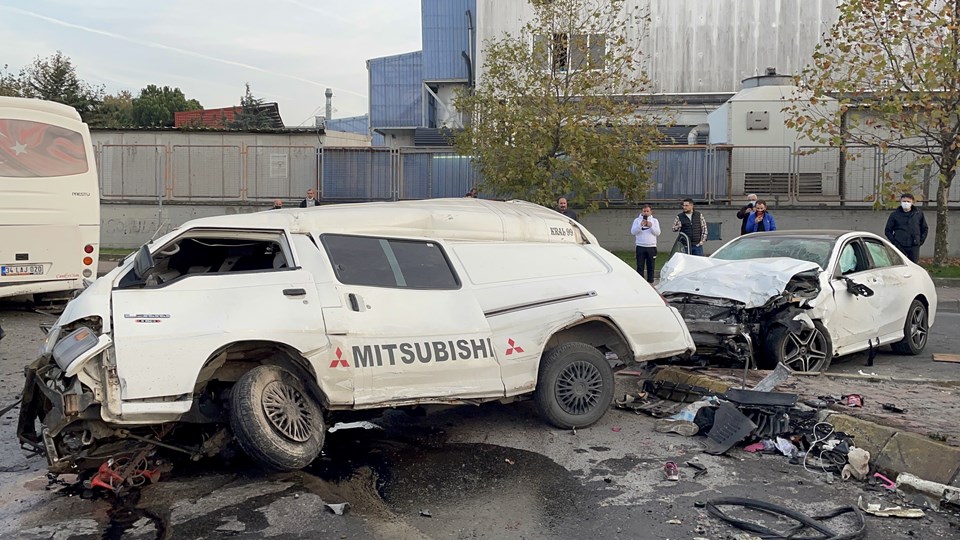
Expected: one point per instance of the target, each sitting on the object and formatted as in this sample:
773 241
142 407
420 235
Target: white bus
49 200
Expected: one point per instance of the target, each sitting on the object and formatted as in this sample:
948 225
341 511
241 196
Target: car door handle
354 303
294 292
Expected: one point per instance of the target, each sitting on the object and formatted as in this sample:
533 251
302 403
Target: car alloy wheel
806 350
918 326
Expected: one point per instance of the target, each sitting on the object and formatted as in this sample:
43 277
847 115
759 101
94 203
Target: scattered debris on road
877 509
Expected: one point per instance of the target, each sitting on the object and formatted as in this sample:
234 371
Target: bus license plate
22 270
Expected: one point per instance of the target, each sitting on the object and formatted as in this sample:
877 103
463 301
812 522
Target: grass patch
949 270
630 257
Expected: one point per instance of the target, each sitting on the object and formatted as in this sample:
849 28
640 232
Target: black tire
574 385
275 420
810 349
915 330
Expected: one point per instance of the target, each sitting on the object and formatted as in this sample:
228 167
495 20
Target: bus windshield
49 199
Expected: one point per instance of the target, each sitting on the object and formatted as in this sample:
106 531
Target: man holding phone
744 212
760 220
646 229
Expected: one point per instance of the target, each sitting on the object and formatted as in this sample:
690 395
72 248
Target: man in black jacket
906 228
744 213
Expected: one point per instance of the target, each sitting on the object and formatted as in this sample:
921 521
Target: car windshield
805 248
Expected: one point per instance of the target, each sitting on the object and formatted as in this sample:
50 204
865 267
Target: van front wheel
574 386
274 419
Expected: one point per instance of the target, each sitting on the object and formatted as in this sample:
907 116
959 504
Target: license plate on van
22 270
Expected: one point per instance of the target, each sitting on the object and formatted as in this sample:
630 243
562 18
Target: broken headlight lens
53 335
73 345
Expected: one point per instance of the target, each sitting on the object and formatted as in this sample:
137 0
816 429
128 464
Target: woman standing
760 220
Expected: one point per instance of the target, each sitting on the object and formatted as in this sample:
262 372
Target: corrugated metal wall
445 35
396 96
701 45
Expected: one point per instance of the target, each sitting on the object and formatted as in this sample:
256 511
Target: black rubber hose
803 519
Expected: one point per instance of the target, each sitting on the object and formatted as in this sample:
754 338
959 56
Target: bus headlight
52 336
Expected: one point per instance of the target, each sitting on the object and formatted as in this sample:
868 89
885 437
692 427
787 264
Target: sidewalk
911 442
948 297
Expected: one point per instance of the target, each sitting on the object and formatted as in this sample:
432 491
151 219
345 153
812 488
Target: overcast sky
288 50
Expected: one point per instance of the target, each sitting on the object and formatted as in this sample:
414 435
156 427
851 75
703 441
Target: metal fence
780 174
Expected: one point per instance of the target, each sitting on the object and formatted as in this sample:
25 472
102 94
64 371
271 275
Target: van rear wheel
274 419
574 386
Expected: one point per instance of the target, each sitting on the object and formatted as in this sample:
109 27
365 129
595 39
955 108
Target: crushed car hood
752 282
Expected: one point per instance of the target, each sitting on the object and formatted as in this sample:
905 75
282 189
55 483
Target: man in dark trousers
906 228
744 213
691 223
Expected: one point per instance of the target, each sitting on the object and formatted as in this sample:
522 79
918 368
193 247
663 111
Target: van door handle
294 292
354 304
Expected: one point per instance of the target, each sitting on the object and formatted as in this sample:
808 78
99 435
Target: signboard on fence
279 166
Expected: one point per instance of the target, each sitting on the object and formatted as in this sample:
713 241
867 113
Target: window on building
570 52
382 262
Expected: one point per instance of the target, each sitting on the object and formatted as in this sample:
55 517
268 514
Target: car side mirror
858 289
142 263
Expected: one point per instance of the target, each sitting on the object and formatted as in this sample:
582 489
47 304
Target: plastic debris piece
701 469
886 482
353 425
426 513
680 427
730 426
508 461
755 447
615 429
892 408
787 448
858 464
674 522
338 508
774 379
877 509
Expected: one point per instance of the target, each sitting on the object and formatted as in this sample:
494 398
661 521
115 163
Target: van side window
383 262
207 252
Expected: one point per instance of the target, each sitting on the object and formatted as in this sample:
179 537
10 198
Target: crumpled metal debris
877 509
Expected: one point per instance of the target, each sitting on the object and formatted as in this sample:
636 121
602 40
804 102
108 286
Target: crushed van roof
449 219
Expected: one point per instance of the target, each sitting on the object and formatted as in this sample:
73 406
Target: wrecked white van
265 326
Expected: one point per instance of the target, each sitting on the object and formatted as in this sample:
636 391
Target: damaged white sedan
801 298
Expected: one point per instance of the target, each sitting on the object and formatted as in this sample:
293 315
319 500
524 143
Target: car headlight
73 345
52 336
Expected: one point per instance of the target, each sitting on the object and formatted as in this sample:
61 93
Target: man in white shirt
646 229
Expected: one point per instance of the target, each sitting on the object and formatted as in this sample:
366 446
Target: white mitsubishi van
264 326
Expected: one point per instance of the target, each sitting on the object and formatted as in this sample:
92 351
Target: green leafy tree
155 105
252 114
54 78
9 83
116 111
556 112
894 66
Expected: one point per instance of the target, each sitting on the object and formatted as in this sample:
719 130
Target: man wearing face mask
906 228
646 229
744 213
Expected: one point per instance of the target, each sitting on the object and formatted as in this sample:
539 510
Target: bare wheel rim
579 387
918 327
805 350
287 411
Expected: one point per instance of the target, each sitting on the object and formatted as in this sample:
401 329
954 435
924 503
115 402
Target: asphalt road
494 471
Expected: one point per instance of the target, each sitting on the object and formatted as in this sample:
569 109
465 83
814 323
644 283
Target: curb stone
900 451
